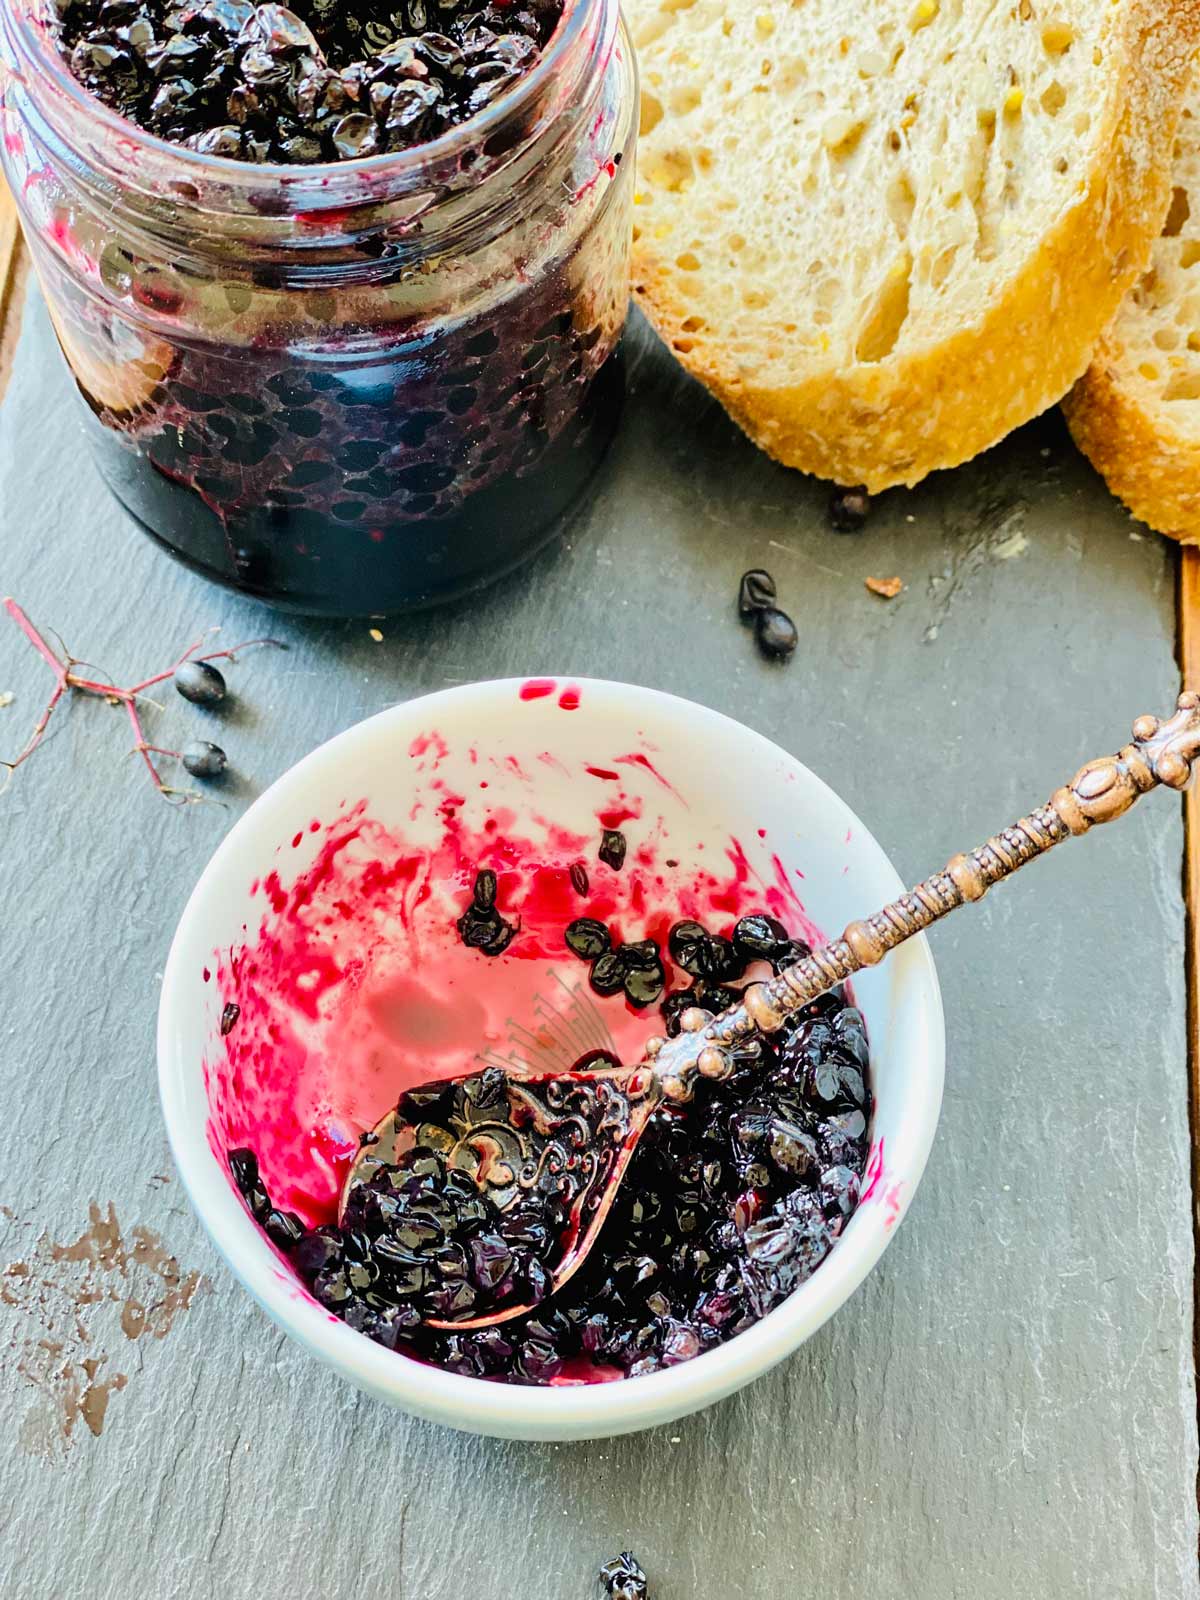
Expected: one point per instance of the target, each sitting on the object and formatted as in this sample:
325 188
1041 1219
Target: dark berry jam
729 1204
325 81
346 387
352 489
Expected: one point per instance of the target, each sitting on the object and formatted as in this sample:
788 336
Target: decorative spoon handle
1161 753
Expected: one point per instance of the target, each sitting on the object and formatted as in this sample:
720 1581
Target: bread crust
896 421
1153 468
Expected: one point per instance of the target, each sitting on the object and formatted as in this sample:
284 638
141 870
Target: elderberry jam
345 309
730 1203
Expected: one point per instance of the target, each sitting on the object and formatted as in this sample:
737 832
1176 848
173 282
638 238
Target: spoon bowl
560 1143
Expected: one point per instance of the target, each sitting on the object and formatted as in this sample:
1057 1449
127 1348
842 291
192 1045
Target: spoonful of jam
485 1193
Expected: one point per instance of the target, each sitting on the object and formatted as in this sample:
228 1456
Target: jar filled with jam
342 286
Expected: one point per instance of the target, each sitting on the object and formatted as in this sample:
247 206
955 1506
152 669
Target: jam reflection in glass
375 480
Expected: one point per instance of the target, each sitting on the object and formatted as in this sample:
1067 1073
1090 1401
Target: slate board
1006 1408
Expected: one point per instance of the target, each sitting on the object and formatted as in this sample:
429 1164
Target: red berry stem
66 678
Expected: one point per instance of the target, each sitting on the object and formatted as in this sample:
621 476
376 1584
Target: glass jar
352 388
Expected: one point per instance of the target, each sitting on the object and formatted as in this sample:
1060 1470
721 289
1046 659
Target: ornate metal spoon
555 1147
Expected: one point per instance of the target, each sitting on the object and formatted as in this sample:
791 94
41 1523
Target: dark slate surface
1006 1408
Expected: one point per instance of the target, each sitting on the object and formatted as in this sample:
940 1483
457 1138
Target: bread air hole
650 30
882 329
667 169
1054 98
1057 38
1189 253
792 72
942 266
652 113
900 203
842 135
1183 386
684 100
1179 213
1167 339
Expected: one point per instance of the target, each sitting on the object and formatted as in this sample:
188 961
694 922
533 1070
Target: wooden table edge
12 272
1188 634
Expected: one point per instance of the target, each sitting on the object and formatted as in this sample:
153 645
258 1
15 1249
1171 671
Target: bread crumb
6 699
886 588
376 635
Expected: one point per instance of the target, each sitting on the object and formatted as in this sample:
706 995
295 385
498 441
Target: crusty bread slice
885 234
1136 411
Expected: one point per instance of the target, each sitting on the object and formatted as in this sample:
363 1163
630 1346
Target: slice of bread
886 234
1136 411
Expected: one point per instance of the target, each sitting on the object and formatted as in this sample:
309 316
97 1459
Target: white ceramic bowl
708 779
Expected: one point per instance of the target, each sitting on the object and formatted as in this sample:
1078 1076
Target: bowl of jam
541 876
342 288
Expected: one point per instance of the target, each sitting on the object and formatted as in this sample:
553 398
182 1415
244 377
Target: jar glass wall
351 388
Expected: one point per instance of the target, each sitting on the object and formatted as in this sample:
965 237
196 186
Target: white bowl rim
479 1405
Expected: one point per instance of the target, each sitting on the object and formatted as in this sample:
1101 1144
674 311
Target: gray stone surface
1007 1408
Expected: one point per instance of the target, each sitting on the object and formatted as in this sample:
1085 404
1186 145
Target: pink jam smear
354 986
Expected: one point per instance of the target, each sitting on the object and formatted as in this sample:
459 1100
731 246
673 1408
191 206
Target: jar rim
315 181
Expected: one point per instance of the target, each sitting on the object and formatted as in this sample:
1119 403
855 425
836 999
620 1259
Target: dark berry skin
644 985
608 973
761 938
481 927
485 890
587 938
623 1578
756 590
203 760
283 1228
685 940
243 1168
849 510
612 848
323 82
703 954
776 633
200 682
